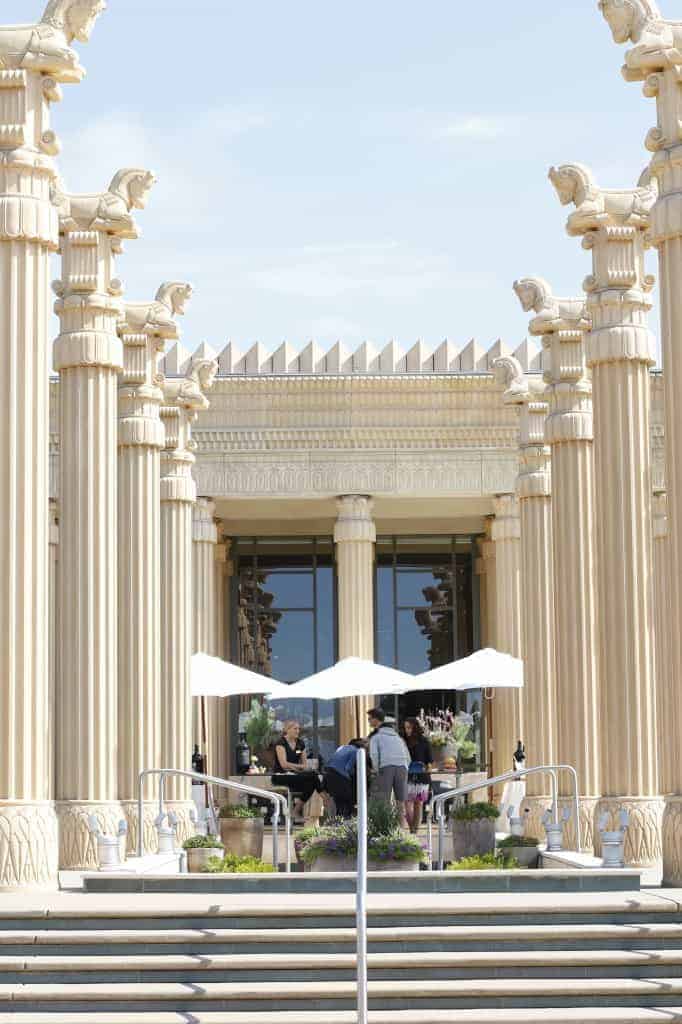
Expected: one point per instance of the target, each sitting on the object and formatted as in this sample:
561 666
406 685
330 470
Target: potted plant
233 865
334 846
524 849
242 830
473 829
261 732
200 849
449 735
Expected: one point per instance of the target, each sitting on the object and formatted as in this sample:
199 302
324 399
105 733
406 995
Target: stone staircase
455 957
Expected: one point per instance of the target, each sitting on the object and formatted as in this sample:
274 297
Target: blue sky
353 171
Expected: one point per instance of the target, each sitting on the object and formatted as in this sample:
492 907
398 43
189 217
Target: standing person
390 759
339 776
291 766
418 773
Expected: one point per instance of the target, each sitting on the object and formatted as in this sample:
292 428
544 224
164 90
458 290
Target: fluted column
88 356
355 537
507 711
204 543
538 698
31 70
619 353
53 633
182 401
568 431
144 330
221 718
490 638
655 60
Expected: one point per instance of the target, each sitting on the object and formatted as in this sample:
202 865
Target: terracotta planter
243 836
472 838
198 858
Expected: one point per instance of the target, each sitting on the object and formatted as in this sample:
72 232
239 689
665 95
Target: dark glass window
426 615
286 623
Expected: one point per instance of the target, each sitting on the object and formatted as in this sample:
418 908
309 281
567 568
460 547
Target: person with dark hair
418 772
390 759
340 774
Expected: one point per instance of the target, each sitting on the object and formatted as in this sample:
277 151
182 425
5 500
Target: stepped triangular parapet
309 359
496 351
176 361
281 359
205 351
336 358
444 358
529 355
414 358
472 358
252 360
363 358
229 358
389 358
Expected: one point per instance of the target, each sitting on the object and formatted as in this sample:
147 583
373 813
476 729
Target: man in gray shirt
390 759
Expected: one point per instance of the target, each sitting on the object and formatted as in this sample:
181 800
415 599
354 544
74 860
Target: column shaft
204 542
355 536
507 712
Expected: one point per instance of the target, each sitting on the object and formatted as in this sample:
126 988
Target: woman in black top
419 772
291 766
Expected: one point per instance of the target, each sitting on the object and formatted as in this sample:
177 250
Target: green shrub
260 727
201 843
517 841
233 865
383 818
484 862
396 847
475 812
239 811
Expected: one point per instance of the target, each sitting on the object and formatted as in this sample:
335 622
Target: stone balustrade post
619 351
34 60
183 399
88 356
144 329
538 697
655 59
507 711
562 324
355 537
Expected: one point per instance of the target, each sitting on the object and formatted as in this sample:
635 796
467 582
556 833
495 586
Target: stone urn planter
393 865
243 836
473 830
198 858
328 862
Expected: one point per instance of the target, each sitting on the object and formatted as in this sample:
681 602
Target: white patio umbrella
213 677
351 677
485 670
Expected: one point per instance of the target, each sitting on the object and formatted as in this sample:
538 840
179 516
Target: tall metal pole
361 893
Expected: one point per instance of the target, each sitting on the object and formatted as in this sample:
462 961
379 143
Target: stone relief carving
46 47
107 211
157 317
672 841
28 844
574 183
191 392
552 313
658 42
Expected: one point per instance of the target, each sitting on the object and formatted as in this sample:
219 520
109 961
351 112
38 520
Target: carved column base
643 846
150 837
77 847
182 809
672 841
532 811
28 844
588 805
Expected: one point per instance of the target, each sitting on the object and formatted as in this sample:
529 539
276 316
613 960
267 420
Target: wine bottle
243 755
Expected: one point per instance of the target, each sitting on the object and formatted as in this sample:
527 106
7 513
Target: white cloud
479 128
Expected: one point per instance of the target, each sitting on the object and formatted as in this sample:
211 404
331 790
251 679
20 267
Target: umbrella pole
202 706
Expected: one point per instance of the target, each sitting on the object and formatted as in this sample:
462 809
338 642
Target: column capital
529 395
204 529
45 47
657 42
157 317
183 400
613 223
507 523
355 520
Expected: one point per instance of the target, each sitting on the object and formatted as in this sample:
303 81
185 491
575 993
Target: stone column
183 399
619 353
34 59
204 543
88 356
668 705
53 633
144 330
507 712
489 561
568 430
655 60
538 698
355 536
221 719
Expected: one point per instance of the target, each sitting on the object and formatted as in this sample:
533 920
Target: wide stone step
595 1015
321 966
488 993
36 941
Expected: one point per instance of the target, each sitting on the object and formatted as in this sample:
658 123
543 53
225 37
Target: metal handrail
361 887
514 775
275 798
